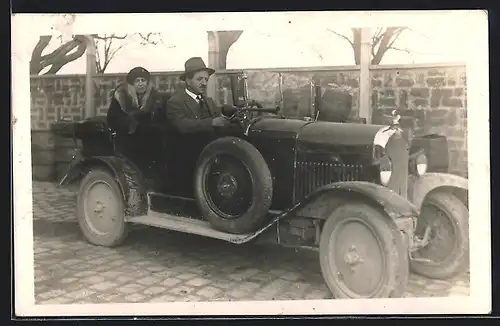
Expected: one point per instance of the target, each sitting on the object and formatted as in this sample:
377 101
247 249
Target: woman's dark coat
127 110
130 118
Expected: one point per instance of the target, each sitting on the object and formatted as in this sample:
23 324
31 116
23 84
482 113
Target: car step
187 225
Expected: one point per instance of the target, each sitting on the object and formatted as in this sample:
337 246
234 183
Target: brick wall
435 95
56 97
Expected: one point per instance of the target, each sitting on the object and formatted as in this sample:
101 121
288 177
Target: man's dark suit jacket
192 131
184 114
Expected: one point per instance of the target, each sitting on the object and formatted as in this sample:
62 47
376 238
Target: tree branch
377 37
74 49
59 61
111 55
106 53
388 38
63 48
64 54
36 55
148 38
343 36
383 40
110 37
401 50
396 36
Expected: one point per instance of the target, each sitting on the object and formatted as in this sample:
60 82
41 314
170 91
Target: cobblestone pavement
161 266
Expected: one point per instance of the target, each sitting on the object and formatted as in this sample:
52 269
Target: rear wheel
447 253
362 254
233 185
100 209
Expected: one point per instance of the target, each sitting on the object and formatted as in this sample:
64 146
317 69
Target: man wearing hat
191 110
193 115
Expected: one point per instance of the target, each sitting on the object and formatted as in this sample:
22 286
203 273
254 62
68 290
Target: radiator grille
312 175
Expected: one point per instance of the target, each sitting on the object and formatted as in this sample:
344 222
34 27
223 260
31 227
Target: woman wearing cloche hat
132 101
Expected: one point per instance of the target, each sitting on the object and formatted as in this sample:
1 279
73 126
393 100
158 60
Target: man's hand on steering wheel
256 104
220 121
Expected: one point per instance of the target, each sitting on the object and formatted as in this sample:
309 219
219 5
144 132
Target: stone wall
436 96
56 97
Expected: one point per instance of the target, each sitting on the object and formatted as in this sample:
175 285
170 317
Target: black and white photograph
278 163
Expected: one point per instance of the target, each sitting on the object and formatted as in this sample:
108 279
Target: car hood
319 132
347 134
277 127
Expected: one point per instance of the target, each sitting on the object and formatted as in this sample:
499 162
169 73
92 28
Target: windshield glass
294 93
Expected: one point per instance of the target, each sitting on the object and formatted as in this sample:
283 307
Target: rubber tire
454 208
256 215
394 248
119 234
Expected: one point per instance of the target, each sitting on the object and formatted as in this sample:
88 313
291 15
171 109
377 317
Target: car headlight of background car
418 163
384 163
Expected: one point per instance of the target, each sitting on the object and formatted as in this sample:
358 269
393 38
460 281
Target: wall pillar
90 110
365 109
219 43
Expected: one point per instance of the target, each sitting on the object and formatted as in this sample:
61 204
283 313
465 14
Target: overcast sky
272 40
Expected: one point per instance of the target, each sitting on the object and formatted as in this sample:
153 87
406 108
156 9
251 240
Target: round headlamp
385 166
418 164
421 164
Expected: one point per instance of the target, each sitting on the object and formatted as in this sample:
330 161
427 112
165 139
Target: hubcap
228 186
352 257
357 259
442 241
100 207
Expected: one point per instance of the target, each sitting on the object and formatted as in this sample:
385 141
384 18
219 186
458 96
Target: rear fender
129 178
420 187
324 200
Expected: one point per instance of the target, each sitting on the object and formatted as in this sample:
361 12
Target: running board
187 225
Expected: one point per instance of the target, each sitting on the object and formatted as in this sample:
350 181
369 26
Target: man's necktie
201 102
203 105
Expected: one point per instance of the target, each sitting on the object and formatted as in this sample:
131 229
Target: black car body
297 182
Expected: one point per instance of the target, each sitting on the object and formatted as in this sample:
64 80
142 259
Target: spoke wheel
233 186
447 252
228 187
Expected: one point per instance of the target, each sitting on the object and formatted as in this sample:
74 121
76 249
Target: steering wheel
242 114
238 117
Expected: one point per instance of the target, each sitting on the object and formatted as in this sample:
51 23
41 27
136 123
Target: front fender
127 175
320 203
420 187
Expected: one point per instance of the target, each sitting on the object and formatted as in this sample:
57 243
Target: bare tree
152 39
383 40
107 46
106 50
65 53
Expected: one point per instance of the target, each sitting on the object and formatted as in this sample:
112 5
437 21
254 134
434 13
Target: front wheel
233 186
447 252
362 254
100 209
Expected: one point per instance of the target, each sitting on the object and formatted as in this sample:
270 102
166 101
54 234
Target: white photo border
476 45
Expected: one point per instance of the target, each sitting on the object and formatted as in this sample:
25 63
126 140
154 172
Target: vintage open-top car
340 188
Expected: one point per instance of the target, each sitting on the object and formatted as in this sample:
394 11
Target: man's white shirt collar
193 95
